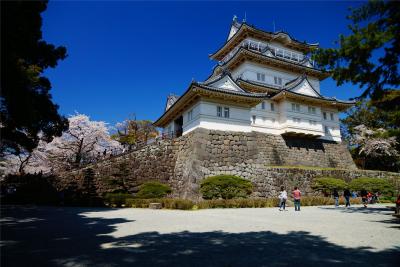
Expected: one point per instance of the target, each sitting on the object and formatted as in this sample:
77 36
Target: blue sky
126 57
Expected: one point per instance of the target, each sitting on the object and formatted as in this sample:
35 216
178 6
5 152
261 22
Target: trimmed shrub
184 204
327 184
116 199
167 203
387 199
153 190
372 184
178 204
225 187
238 203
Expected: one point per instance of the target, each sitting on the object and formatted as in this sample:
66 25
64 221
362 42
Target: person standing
347 195
398 205
282 198
336 197
296 196
364 197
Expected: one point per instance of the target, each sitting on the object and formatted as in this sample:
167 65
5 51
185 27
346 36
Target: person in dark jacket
347 195
364 197
336 197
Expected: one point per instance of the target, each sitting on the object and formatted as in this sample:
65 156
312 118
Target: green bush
225 187
167 203
116 199
387 199
372 184
238 203
327 184
178 204
184 204
322 201
153 190
138 203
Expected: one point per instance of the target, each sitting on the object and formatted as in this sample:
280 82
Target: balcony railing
276 51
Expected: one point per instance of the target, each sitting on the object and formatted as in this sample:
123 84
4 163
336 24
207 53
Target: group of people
296 194
346 193
367 197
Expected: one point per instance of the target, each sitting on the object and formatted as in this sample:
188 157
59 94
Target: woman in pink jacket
296 196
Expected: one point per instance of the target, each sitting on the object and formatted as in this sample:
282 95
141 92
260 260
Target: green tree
327 184
26 104
225 187
359 59
153 190
383 117
132 132
371 184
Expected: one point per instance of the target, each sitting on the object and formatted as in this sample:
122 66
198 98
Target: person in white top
282 198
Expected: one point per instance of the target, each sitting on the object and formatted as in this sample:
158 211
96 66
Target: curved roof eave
331 100
245 50
244 26
193 85
254 83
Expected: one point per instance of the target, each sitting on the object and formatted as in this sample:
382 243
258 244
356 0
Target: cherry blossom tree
375 145
85 141
26 162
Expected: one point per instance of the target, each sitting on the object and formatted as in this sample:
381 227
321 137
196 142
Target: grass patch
184 204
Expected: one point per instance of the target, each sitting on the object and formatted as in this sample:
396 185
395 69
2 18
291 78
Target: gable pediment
226 83
305 88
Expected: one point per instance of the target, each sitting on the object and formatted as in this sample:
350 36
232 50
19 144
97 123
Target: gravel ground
319 236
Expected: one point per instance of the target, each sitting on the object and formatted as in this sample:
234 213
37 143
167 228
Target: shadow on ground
361 209
64 237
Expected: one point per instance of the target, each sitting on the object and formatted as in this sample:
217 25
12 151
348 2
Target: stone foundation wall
261 158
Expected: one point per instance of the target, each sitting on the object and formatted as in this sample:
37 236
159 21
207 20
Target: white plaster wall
265 118
205 116
189 125
240 119
249 70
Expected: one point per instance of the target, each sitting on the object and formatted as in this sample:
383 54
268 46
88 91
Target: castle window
263 105
326 129
190 115
226 112
332 118
311 110
219 111
272 107
279 52
287 54
324 114
278 80
253 119
261 77
295 107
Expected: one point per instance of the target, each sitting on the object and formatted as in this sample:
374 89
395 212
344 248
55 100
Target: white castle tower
264 82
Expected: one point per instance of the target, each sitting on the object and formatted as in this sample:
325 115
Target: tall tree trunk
78 157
